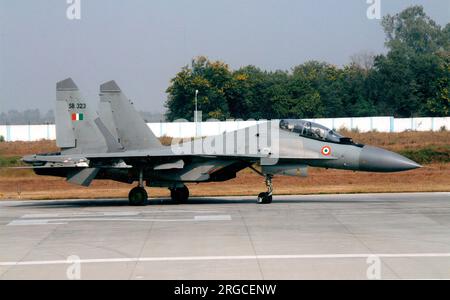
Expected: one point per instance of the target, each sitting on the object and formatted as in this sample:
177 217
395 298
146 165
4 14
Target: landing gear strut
179 195
138 196
266 197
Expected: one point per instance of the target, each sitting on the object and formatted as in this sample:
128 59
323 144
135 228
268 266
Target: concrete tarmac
361 236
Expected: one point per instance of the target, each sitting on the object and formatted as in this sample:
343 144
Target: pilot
319 133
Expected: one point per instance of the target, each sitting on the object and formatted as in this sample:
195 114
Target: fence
189 129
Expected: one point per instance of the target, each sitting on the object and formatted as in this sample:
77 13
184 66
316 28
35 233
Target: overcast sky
142 44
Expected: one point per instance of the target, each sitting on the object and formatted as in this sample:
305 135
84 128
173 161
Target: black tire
179 195
264 198
174 195
138 196
184 194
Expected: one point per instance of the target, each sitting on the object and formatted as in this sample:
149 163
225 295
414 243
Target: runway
361 236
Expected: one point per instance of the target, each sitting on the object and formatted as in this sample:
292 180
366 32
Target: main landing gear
179 195
138 196
266 197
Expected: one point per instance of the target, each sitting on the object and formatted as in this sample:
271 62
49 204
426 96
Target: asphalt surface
367 236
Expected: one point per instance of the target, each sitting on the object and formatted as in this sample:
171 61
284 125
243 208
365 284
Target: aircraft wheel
264 198
138 196
180 195
185 193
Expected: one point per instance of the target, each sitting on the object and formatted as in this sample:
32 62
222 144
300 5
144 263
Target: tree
211 79
414 29
245 92
394 85
411 79
321 81
363 60
438 104
355 91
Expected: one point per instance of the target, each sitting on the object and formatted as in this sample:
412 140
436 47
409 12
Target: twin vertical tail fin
123 121
78 129
119 126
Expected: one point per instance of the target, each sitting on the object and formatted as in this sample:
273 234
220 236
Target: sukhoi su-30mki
117 144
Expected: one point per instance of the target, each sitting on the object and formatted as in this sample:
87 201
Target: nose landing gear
266 197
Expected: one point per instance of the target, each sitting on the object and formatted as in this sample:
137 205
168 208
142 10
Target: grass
26 148
433 178
165 140
402 140
10 161
428 155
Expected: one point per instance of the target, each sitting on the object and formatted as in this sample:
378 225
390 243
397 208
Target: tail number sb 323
77 105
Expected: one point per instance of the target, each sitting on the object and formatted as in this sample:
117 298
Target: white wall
188 129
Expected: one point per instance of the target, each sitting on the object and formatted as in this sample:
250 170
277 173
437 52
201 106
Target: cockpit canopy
314 131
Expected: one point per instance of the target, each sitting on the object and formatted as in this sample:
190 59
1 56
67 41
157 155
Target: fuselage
296 145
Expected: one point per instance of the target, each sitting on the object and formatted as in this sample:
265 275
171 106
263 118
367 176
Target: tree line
29 116
411 79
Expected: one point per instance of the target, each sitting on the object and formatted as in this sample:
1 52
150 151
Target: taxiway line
219 258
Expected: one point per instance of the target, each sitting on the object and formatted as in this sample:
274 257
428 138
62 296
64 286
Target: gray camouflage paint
118 144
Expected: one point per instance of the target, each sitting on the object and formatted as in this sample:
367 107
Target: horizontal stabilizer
82 177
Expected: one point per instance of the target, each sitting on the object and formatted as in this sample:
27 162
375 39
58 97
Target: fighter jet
117 144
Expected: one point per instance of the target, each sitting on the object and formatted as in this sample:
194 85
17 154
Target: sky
142 44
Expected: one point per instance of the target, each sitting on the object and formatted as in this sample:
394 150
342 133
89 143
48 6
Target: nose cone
375 159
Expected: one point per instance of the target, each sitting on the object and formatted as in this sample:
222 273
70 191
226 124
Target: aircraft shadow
169 202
